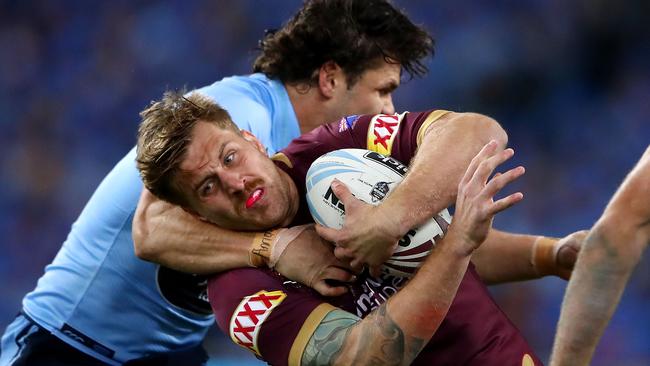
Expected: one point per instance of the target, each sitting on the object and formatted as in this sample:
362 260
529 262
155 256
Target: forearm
595 289
168 235
446 150
505 257
608 257
397 331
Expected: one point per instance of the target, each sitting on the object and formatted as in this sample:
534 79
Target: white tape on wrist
283 239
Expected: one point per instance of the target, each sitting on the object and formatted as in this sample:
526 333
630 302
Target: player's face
228 180
373 92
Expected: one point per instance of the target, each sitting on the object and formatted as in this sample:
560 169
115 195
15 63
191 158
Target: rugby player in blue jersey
98 303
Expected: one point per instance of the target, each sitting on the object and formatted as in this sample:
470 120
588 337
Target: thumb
327 233
341 191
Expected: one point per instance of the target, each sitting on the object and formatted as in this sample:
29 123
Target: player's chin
265 221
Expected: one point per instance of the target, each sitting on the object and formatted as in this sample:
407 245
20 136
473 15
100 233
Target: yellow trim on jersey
432 117
283 159
527 360
308 328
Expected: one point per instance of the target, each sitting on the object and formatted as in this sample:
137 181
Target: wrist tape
268 246
260 250
544 257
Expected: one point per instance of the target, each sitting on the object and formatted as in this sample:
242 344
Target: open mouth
254 197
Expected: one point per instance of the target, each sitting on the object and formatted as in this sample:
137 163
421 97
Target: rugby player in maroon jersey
223 176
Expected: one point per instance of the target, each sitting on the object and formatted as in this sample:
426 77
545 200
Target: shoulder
244 97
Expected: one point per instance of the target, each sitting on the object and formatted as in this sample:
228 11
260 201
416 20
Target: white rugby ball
370 177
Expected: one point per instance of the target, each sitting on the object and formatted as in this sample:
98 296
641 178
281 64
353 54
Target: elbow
489 129
140 233
482 129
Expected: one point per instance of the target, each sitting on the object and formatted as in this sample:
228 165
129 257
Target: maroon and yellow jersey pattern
278 326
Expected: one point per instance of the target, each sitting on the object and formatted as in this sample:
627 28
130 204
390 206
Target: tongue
253 198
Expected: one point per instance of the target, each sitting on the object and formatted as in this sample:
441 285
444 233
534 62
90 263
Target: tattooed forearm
379 340
325 344
382 341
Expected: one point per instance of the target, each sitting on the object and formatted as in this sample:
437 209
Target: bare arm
507 257
612 250
446 149
397 331
391 335
431 184
166 234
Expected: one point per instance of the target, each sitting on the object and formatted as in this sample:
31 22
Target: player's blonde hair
164 134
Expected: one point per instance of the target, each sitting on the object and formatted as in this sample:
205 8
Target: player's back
98 296
98 292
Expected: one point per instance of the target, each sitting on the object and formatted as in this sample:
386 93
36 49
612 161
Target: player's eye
229 158
384 92
207 188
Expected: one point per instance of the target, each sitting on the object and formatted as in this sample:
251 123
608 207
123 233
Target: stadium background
568 80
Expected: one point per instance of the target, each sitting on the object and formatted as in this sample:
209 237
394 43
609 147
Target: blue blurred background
569 81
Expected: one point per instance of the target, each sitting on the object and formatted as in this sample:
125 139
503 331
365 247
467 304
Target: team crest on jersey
382 131
347 122
249 316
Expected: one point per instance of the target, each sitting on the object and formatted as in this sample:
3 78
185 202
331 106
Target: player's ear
253 140
330 77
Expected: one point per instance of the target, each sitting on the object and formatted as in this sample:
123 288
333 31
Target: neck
309 106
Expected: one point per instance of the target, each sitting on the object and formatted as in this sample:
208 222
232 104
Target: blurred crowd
569 81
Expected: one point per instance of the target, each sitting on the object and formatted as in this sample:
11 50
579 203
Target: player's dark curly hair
352 33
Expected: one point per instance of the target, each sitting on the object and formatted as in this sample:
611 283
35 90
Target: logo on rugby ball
379 191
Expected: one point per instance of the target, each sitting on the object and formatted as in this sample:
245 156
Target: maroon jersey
274 317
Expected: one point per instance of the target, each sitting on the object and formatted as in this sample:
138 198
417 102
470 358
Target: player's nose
232 181
388 107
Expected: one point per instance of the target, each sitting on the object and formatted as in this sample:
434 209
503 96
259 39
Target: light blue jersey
98 296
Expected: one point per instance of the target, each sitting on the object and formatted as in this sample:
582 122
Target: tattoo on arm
379 340
325 344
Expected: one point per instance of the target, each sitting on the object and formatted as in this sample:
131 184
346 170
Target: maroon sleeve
401 137
395 134
261 311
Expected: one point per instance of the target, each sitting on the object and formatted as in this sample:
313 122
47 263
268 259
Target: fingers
325 289
333 281
487 166
501 180
338 275
497 183
327 233
486 151
505 203
343 254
